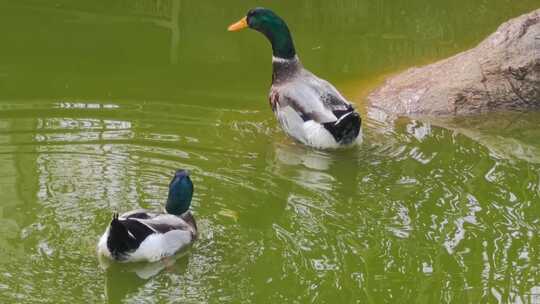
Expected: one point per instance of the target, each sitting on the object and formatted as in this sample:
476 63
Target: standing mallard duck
308 108
145 236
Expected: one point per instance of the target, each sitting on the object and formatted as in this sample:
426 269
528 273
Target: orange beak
240 25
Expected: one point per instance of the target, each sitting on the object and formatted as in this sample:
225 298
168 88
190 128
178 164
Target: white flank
309 133
102 245
291 123
317 136
157 246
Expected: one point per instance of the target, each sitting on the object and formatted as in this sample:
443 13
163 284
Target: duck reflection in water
324 172
125 279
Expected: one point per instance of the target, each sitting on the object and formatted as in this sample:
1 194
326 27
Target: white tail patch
317 136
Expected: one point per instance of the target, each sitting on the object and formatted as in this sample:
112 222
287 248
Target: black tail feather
125 236
119 241
345 129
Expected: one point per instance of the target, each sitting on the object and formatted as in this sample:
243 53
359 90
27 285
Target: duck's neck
284 69
281 39
285 62
180 194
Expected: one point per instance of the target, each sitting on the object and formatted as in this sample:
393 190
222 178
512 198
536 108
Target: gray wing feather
139 213
164 223
313 98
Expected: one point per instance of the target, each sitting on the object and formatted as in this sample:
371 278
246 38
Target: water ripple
415 204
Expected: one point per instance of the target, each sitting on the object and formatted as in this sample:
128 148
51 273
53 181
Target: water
101 101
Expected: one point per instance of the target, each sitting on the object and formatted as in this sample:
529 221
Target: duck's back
172 234
144 236
312 110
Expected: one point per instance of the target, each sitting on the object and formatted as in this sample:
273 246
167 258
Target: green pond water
100 101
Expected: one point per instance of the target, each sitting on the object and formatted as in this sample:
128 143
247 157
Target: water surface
101 101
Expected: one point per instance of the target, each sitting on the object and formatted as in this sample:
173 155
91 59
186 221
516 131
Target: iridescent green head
180 193
272 26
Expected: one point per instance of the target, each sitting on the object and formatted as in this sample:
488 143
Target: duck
145 236
309 109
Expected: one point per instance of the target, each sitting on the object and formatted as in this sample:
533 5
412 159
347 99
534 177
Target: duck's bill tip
238 26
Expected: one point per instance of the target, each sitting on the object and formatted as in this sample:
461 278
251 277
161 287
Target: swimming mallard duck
140 235
308 108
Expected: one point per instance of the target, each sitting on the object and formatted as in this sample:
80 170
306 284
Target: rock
501 73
